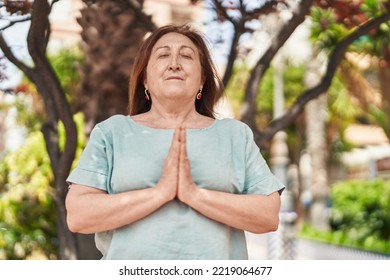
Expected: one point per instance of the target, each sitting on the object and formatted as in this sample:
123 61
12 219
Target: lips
175 78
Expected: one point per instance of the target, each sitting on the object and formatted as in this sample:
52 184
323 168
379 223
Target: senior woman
169 180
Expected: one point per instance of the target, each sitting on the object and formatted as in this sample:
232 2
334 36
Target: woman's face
174 69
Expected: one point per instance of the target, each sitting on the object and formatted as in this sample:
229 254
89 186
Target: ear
202 80
145 83
145 79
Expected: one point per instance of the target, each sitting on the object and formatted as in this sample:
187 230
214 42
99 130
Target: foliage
360 216
341 113
65 63
342 110
362 207
381 36
27 214
19 7
331 22
26 204
293 76
235 89
326 32
293 86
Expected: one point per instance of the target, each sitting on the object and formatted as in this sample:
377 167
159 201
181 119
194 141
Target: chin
176 94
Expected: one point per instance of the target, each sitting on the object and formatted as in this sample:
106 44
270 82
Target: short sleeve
93 168
258 177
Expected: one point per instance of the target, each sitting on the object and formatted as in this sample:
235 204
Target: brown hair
212 88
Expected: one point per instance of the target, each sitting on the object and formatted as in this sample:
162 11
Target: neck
175 116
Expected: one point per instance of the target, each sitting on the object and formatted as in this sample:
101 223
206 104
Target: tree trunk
112 32
50 89
57 109
248 112
384 81
3 128
315 115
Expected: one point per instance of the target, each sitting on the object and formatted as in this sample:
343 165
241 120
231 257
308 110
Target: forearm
249 212
90 212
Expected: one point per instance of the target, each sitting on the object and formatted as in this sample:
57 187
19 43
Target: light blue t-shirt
122 155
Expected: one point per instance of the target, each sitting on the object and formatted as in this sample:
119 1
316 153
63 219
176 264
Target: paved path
308 250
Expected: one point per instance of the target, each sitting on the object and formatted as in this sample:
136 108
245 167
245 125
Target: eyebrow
181 47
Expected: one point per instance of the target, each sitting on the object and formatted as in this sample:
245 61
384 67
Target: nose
174 64
174 67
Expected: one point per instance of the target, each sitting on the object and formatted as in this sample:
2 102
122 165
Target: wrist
188 195
164 194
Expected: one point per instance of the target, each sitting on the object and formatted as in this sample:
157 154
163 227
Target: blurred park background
310 77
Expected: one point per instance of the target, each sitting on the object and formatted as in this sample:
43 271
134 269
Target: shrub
27 211
360 216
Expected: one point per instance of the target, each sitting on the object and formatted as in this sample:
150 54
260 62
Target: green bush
27 211
360 216
27 214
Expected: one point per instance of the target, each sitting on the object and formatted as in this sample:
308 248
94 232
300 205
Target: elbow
73 224
76 226
76 222
71 220
270 225
74 219
274 224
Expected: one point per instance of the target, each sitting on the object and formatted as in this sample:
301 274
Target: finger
183 135
176 136
183 145
175 144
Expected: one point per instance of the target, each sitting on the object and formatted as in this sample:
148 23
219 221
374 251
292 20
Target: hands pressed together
176 179
251 212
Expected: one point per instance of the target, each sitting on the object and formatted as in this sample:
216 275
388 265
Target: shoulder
113 120
235 126
110 126
112 123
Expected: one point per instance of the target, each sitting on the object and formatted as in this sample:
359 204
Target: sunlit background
324 134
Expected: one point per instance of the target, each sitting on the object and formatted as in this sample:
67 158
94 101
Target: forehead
171 40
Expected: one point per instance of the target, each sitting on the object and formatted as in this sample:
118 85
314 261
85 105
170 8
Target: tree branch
39 28
8 53
248 114
50 89
310 94
220 9
239 29
15 21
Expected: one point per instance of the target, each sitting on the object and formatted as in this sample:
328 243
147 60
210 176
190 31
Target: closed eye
162 55
187 56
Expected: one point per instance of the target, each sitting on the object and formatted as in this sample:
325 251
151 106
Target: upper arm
95 163
275 200
76 191
259 179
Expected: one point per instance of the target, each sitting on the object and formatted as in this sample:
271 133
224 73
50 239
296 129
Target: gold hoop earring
147 97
